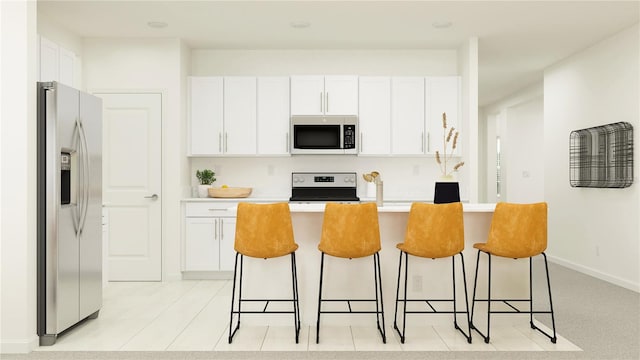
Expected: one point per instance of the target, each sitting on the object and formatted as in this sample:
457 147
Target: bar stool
517 231
433 231
351 231
264 231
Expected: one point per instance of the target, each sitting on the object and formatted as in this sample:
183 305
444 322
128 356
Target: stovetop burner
324 187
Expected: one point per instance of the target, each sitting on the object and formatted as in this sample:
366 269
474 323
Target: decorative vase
371 189
203 191
446 192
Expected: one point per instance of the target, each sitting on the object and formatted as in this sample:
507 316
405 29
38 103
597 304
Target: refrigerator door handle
85 176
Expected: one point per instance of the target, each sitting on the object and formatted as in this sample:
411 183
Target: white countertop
389 207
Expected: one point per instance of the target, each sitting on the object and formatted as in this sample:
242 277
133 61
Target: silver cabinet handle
321 107
326 103
226 143
217 209
221 229
422 140
215 226
152 197
219 142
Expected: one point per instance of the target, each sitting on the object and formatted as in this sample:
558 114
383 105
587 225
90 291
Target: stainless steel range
335 186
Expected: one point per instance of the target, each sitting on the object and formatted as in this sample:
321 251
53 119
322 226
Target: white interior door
131 185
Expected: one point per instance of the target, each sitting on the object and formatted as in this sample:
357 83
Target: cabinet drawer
209 209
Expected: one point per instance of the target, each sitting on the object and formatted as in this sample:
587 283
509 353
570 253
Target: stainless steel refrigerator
69 208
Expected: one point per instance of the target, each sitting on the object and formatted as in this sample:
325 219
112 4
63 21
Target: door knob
153 197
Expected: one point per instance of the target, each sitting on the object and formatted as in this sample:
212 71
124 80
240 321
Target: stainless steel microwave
324 135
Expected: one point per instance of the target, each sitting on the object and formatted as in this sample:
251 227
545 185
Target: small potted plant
447 189
205 177
441 159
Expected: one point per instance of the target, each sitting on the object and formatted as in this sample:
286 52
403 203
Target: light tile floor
193 315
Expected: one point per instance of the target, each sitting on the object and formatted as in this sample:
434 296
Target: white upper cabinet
206 114
56 63
375 115
273 116
223 116
442 96
240 111
407 116
324 95
341 95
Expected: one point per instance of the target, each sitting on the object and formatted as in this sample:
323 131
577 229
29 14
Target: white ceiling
517 39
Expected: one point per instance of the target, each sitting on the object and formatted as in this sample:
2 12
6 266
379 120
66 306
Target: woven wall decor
602 156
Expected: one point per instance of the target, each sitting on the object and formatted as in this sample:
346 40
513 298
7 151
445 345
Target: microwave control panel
349 136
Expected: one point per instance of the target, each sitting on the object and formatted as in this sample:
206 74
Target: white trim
19 346
595 273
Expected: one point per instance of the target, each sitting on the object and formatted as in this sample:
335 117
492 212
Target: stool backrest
435 230
350 230
518 230
264 230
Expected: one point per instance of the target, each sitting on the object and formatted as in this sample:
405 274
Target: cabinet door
201 244
341 95
206 114
67 66
227 240
49 60
375 115
407 115
273 116
442 96
307 95
239 115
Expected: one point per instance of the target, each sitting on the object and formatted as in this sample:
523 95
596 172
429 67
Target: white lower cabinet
209 236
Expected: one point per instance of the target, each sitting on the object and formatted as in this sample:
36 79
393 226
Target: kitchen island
354 278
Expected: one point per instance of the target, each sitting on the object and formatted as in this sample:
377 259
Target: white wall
150 65
468 70
522 156
518 121
593 230
404 177
17 165
324 62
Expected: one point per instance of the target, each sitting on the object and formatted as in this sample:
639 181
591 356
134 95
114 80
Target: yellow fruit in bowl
224 186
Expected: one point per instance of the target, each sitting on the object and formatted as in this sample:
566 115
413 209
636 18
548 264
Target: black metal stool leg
378 282
404 312
553 337
475 283
486 339
319 299
296 306
553 320
466 300
232 331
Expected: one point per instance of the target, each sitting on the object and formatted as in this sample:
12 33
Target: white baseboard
596 274
207 275
173 277
14 346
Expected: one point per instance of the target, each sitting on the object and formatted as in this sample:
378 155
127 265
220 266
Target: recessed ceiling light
157 24
300 24
442 24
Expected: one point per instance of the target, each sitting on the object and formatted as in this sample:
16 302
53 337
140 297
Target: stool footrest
515 309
